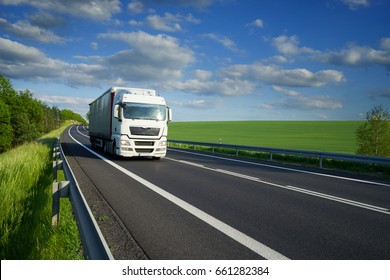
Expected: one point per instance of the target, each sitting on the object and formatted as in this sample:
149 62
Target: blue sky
210 59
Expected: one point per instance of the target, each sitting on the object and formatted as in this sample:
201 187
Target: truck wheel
113 149
93 142
105 150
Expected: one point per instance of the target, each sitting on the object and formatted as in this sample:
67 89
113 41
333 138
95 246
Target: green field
328 136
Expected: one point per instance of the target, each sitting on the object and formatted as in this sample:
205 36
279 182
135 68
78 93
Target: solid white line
85 135
238 175
233 233
191 163
291 188
284 168
342 200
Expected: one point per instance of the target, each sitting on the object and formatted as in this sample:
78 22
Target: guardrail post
56 153
57 165
320 162
270 156
60 189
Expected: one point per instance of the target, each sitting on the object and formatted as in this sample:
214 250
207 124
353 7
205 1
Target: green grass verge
327 136
25 206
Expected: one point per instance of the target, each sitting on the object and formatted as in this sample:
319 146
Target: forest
24 118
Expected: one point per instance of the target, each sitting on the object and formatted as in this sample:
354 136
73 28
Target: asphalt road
194 206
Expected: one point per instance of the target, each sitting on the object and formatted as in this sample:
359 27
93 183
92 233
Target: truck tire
113 151
93 142
105 149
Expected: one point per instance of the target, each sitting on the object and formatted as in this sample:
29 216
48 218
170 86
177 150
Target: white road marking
233 233
284 168
235 174
85 135
342 200
291 188
191 163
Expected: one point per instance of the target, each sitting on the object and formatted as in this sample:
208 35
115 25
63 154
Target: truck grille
144 150
144 143
145 131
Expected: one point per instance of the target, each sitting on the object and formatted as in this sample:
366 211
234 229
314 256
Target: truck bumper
142 148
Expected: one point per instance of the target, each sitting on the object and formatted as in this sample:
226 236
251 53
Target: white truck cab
130 122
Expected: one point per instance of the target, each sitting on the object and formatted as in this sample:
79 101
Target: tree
5 127
70 115
24 118
373 136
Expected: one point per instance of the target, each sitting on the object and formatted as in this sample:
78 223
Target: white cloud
150 57
25 29
289 45
259 23
135 23
274 75
357 56
279 59
266 106
153 58
136 7
93 9
355 4
194 104
94 46
163 23
352 55
198 4
76 104
285 91
23 62
312 102
203 75
170 22
66 101
385 43
223 40
304 103
46 20
218 87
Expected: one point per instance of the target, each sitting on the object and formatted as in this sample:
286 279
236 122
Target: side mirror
117 114
169 114
116 111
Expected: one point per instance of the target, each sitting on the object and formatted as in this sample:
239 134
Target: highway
197 206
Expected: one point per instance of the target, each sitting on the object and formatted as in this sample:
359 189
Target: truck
130 122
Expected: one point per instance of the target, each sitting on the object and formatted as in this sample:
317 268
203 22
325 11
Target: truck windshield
144 111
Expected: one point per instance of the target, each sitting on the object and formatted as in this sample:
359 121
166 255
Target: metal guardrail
92 240
303 153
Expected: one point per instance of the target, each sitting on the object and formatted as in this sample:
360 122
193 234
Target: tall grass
25 206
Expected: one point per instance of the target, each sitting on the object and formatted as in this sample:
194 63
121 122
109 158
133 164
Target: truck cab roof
136 91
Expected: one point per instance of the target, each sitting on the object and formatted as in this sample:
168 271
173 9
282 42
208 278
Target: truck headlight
125 143
162 144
